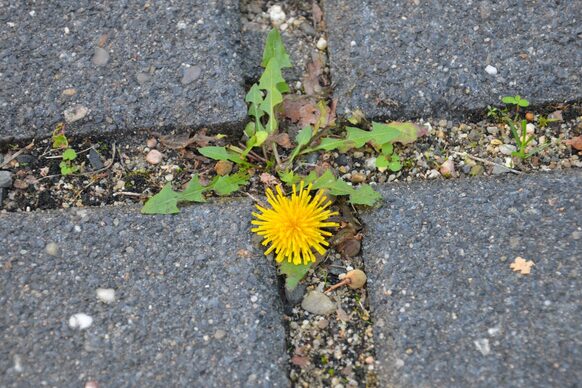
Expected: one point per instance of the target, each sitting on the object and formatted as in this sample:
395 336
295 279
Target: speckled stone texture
130 64
448 311
196 303
411 59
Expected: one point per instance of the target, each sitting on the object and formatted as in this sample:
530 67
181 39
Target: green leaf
69 154
255 98
303 138
290 177
293 273
164 202
381 162
60 141
250 129
274 48
193 191
220 153
228 184
269 81
395 165
388 149
326 180
395 132
330 143
364 195
509 100
261 136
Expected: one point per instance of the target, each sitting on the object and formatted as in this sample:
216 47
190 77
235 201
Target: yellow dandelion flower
293 226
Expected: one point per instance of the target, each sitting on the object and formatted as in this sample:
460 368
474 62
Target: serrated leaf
220 153
255 98
364 195
164 202
326 180
289 177
329 144
274 48
270 81
395 132
228 184
293 273
193 191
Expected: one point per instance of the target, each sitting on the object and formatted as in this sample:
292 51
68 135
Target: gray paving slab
118 65
195 303
428 58
448 310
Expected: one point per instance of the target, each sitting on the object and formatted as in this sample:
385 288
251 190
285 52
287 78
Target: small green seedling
60 142
522 140
67 166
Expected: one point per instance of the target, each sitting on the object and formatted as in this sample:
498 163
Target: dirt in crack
330 334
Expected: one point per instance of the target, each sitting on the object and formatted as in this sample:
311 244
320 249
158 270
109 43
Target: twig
277 158
255 199
16 154
487 161
128 193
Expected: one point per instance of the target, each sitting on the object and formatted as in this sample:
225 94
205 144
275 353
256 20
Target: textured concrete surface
428 58
118 65
196 304
449 311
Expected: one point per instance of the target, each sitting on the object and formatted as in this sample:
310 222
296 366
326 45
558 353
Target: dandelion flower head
294 226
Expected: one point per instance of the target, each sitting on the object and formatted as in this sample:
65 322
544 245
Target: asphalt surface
413 59
448 310
195 303
112 66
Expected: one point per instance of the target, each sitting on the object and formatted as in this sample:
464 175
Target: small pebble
491 70
447 168
80 321
317 302
321 43
152 142
483 346
154 157
100 57
5 179
507 149
277 15
191 74
106 295
75 113
52 249
358 177
219 334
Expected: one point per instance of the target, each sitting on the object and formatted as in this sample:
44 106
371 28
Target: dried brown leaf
300 361
317 15
521 265
282 139
301 110
575 142
180 141
311 84
269 180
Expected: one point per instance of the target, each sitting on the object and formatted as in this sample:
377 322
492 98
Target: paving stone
448 310
111 65
189 309
429 58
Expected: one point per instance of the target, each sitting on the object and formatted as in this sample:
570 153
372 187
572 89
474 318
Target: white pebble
52 249
277 15
530 129
321 43
154 157
483 346
353 43
106 295
80 321
491 70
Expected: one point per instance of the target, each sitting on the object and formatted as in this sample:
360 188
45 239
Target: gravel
416 59
117 66
447 308
138 300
